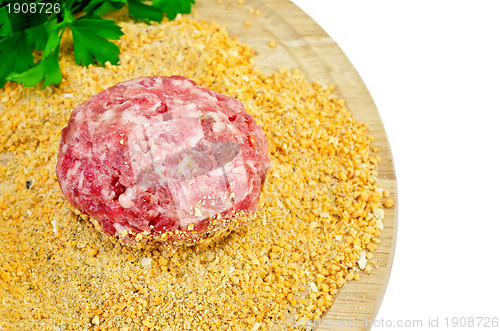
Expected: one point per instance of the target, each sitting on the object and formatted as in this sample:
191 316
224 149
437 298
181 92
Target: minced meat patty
164 158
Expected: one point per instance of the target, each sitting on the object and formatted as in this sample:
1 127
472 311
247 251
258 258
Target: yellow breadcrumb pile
319 218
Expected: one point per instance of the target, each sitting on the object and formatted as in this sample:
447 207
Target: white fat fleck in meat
126 198
137 143
219 172
187 166
107 193
218 126
81 178
130 116
182 83
193 141
108 116
79 115
103 157
219 122
238 178
189 110
207 97
75 170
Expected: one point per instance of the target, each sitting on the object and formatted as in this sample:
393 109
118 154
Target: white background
433 70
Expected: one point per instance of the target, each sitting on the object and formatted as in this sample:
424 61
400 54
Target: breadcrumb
389 203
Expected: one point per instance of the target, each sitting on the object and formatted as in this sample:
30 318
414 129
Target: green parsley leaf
54 39
37 36
89 37
141 11
15 55
173 7
5 28
72 6
48 67
101 8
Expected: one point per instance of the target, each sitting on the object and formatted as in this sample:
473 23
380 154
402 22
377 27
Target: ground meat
164 158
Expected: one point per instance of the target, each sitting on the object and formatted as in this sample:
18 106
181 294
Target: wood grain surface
301 43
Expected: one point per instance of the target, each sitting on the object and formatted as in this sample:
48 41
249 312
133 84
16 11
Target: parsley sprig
91 35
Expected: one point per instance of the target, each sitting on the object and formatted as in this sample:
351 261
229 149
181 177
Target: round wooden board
301 43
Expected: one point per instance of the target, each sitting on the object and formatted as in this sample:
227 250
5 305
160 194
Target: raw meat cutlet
164 158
